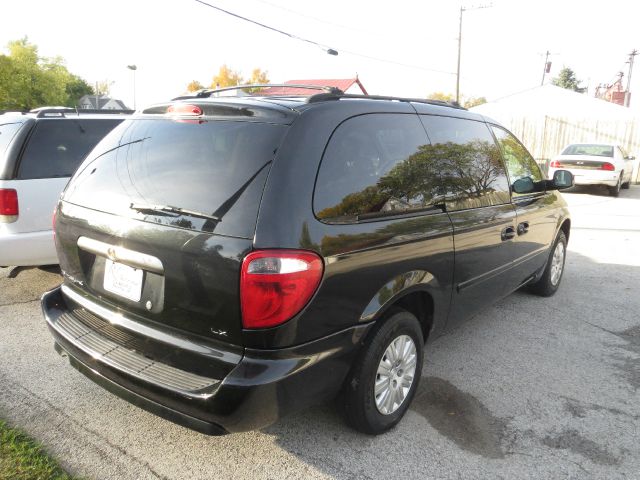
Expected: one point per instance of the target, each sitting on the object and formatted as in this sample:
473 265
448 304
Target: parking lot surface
530 388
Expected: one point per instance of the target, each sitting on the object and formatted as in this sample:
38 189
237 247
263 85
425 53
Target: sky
175 41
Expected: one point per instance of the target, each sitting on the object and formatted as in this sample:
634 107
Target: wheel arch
415 291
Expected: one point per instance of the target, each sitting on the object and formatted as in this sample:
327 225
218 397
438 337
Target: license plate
123 280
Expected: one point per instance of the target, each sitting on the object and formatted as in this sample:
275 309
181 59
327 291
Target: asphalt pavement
530 388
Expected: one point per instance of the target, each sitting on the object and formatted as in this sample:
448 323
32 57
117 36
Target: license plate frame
123 280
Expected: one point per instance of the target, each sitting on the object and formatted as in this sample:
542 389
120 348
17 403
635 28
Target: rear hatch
156 221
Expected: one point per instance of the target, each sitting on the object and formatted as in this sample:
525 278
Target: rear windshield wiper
172 210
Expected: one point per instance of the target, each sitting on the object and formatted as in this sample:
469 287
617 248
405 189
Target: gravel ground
530 388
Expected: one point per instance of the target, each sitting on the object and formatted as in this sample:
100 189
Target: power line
329 50
290 35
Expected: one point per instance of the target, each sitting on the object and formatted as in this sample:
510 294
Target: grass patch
21 458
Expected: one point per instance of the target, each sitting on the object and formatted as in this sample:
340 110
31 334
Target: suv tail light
8 205
554 164
608 167
276 284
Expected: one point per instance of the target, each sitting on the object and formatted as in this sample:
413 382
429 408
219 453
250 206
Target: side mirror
562 179
523 185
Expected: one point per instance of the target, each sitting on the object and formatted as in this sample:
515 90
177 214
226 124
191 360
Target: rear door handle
523 228
508 233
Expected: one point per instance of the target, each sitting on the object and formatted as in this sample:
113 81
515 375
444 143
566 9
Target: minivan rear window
216 168
57 147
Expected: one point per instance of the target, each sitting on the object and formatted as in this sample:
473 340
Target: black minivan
230 260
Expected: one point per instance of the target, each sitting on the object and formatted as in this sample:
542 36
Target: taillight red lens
8 202
554 164
276 284
609 167
184 109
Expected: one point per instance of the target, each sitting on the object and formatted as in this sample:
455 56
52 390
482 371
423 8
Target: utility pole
547 67
627 94
462 10
459 53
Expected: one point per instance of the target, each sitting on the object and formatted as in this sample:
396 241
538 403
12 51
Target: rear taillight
609 167
276 284
554 164
8 205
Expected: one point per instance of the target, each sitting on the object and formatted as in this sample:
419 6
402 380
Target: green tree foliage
29 81
567 79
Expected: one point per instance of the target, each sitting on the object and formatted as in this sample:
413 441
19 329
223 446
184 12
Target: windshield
591 149
214 168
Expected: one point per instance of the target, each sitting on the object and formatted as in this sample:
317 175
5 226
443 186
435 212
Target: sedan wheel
615 191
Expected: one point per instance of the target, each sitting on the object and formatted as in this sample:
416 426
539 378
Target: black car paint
452 264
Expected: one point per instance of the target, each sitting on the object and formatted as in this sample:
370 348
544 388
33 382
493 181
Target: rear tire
385 376
615 191
550 280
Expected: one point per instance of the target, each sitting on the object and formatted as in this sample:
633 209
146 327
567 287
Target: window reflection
524 172
380 165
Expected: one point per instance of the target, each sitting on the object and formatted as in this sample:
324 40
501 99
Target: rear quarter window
373 167
57 147
7 132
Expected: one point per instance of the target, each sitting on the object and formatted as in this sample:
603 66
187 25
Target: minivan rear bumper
264 386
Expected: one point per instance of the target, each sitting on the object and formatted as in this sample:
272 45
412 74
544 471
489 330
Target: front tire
385 377
550 280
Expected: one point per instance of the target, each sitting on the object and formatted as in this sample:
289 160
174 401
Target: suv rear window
217 168
57 147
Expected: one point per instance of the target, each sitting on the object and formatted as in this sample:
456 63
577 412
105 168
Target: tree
467 102
194 86
258 77
445 97
103 87
567 79
28 81
226 78
474 102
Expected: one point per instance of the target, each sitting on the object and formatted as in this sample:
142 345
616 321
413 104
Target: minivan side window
523 170
376 166
469 161
57 147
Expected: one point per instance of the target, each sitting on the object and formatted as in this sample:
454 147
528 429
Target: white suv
39 151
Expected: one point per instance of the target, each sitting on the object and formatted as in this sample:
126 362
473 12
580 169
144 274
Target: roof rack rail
60 111
321 97
206 93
